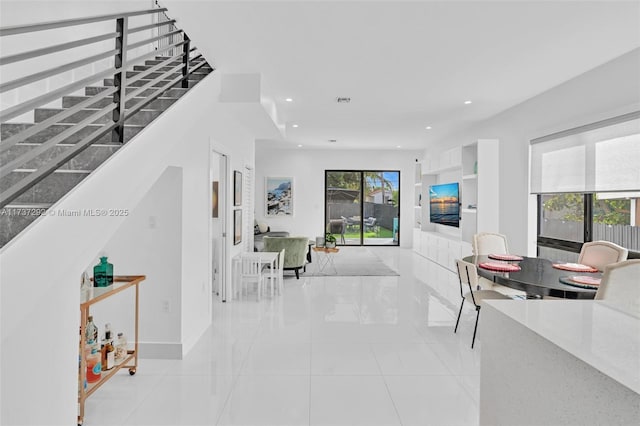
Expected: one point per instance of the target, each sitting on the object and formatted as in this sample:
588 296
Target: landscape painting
279 196
237 188
214 199
237 226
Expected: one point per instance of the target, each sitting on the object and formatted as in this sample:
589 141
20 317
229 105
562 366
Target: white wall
40 270
307 169
155 227
606 91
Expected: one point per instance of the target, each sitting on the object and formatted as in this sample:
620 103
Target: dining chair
485 243
598 254
337 227
621 284
251 272
279 272
468 278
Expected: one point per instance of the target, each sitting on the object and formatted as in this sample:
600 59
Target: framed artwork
237 226
237 188
214 199
279 196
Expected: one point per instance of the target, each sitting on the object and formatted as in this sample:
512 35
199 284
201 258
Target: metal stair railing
185 62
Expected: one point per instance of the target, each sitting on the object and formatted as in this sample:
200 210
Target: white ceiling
405 65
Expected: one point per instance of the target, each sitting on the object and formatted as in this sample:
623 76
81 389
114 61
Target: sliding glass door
363 207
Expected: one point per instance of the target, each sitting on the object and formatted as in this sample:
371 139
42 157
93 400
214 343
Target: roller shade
601 157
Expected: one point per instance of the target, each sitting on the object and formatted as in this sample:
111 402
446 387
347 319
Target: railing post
120 80
186 47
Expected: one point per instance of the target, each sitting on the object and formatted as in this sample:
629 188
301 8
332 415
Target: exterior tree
607 211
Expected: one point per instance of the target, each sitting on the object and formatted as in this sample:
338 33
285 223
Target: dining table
538 278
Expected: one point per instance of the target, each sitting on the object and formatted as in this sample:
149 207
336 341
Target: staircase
53 167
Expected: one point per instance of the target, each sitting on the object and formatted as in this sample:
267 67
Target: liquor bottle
108 351
121 348
91 333
103 273
86 288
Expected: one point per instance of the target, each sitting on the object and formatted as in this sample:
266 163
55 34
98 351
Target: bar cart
130 361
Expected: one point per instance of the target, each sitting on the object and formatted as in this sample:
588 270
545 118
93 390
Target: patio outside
354 222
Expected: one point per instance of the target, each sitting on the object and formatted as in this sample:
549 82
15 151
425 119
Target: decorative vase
103 273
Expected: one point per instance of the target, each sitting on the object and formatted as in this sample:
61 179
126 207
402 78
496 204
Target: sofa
261 230
295 251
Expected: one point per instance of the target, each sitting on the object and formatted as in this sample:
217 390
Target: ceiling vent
343 100
333 140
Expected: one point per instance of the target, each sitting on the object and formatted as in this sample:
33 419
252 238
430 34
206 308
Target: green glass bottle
103 273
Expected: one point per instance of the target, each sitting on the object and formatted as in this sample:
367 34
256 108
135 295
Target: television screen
444 204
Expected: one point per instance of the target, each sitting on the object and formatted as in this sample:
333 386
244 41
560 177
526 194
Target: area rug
351 261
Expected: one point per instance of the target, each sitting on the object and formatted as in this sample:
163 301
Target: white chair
486 243
251 272
279 274
468 277
598 254
621 285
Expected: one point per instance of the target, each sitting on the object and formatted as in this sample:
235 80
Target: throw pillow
263 227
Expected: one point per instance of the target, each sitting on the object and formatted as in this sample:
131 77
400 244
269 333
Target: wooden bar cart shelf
98 294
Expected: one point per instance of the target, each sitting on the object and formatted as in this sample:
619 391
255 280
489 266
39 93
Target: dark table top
537 277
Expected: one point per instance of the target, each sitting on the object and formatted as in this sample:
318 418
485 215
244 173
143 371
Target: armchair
370 223
295 251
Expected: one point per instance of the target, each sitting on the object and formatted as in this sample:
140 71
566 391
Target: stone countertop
595 332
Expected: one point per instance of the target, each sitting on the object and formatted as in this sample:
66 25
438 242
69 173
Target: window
362 207
588 185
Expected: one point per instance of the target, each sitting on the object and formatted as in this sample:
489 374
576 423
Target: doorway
218 178
362 207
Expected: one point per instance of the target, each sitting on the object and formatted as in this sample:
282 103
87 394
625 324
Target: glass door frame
362 173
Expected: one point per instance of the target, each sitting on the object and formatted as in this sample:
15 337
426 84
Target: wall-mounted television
444 204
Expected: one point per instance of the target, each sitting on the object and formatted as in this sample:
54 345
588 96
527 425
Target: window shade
601 157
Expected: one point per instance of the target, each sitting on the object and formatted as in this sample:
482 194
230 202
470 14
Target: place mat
574 267
512 257
500 267
582 281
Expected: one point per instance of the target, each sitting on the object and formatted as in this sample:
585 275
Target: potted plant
329 240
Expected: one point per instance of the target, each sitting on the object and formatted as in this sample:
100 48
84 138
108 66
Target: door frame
362 173
223 215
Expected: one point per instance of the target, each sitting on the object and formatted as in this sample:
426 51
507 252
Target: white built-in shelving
475 167
480 191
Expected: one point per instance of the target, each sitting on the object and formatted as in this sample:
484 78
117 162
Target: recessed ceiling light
398 146
295 125
299 146
428 127
467 102
289 100
333 140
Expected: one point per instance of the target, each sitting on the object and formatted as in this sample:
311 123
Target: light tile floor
329 351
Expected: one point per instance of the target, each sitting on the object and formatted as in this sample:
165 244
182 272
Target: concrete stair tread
160 103
171 92
141 117
89 159
10 129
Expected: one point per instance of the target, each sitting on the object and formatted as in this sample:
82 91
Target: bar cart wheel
132 371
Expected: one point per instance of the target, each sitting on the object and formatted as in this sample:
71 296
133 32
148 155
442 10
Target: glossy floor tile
351 400
329 351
